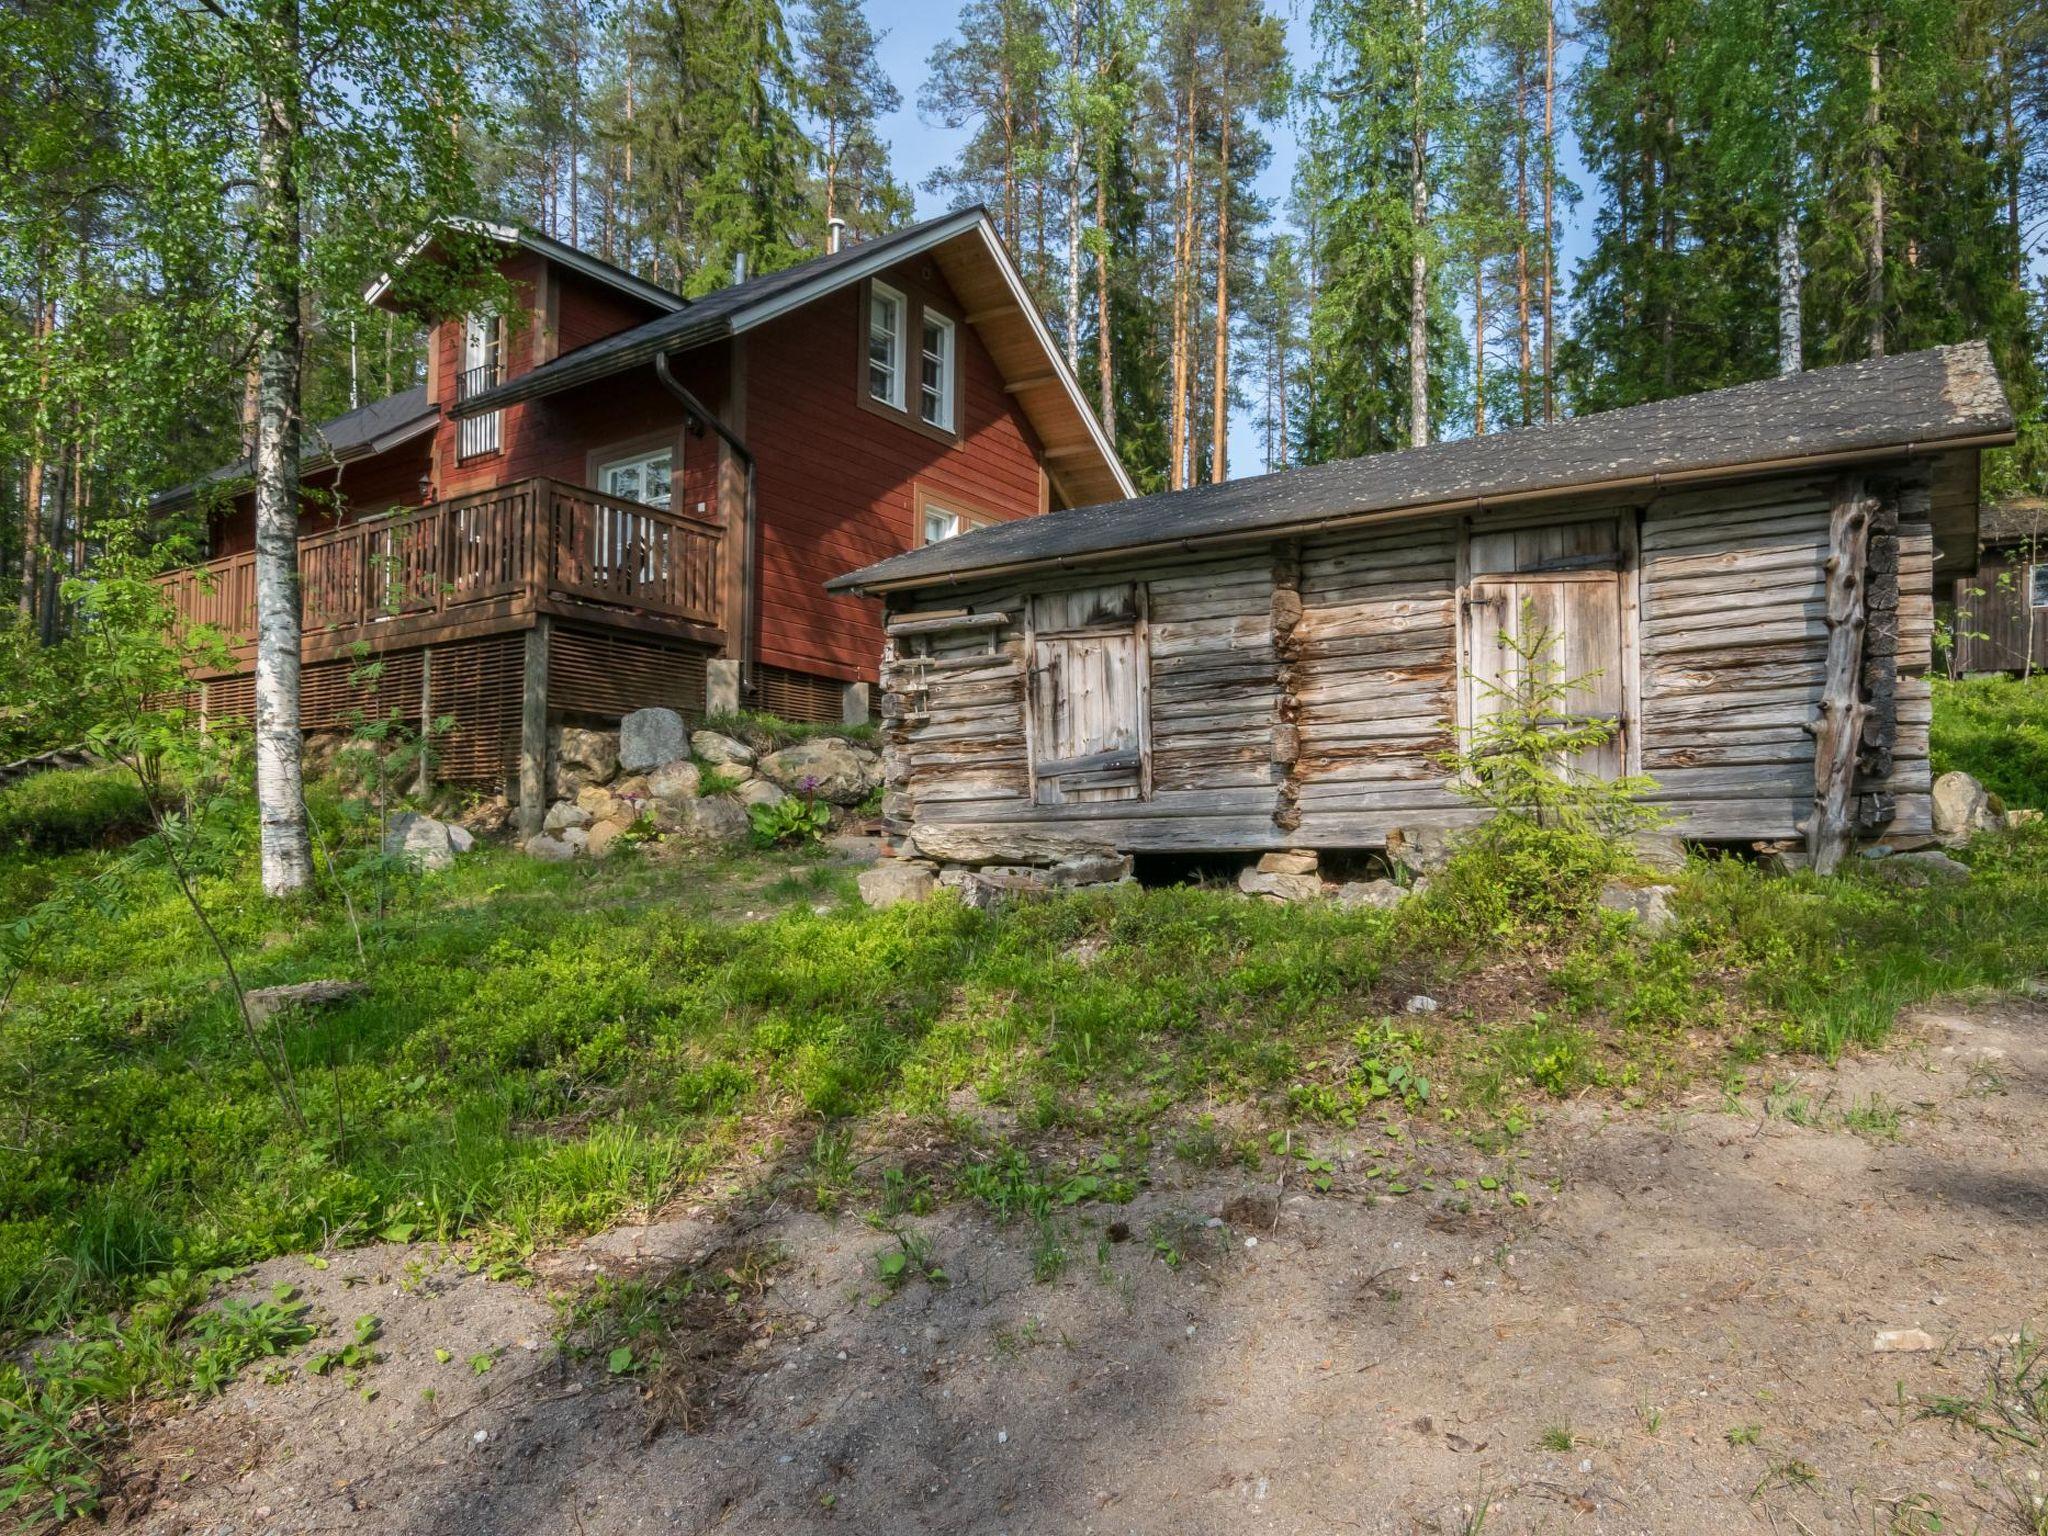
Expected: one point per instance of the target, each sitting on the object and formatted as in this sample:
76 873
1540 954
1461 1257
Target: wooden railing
536 539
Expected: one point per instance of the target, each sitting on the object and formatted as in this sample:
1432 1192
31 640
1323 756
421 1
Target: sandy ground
1691 1296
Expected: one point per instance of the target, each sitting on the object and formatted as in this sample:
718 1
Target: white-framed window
886 313
483 367
645 477
940 525
937 369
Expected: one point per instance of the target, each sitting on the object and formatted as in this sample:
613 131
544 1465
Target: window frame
2037 584
899 368
639 457
948 359
926 503
918 304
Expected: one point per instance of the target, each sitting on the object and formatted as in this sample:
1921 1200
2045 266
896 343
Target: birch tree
360 109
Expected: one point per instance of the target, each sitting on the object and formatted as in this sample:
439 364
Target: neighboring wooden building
1282 662
612 496
2001 612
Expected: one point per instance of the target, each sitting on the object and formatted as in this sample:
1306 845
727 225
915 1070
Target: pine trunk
286 850
1219 444
1873 256
1418 259
32 478
1105 356
1549 200
1526 357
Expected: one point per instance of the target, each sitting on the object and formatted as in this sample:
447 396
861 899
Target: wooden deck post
1838 735
423 778
533 730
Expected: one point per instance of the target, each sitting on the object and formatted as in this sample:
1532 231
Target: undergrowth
1996 730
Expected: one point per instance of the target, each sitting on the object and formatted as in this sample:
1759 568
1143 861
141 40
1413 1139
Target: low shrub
67 809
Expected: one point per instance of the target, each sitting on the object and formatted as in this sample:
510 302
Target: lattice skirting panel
798 695
606 673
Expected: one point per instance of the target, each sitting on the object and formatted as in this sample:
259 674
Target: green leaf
619 1361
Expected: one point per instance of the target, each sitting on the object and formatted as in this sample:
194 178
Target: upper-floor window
886 312
645 477
935 384
483 367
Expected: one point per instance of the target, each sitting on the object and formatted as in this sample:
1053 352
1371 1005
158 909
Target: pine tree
852 92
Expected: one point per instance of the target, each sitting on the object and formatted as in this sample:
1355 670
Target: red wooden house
612 496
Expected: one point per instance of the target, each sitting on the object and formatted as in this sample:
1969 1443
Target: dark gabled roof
576 260
373 428
721 312
1920 399
2013 521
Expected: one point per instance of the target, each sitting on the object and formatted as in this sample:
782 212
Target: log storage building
1746 576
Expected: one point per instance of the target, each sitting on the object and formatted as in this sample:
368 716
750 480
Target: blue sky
915 27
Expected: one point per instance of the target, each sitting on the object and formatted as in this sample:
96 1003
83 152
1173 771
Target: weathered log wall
1304 692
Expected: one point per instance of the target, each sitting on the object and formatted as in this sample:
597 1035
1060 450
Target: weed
910 1259
1743 1434
1875 1118
1048 1251
1785 1472
1557 1437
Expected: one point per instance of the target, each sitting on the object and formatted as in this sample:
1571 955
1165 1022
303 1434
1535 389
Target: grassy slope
1996 729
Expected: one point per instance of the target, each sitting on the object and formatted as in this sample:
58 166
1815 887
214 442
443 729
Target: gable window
483 367
935 391
645 477
1089 700
886 314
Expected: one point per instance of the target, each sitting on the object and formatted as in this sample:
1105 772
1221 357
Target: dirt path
1692 1307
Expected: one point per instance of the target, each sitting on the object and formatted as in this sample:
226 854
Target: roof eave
860 583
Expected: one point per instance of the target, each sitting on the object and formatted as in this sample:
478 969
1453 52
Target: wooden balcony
475 564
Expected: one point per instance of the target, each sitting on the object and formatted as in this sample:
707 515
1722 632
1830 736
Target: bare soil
1675 1334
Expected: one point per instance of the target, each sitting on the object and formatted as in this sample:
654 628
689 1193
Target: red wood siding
837 483
368 486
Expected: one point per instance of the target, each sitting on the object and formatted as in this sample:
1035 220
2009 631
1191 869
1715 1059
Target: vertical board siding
1997 633
1377 668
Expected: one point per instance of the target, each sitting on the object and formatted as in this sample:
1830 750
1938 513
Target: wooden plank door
1088 695
1558 588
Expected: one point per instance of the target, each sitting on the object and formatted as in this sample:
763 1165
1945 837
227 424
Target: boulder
1923 868
262 1002
603 836
1650 905
1296 861
716 747
895 880
649 738
1280 887
2018 817
487 816
834 769
1962 809
460 838
1663 852
1421 850
551 850
998 843
577 838
1091 869
1374 894
600 804
423 842
718 819
760 791
563 815
989 888
674 782
581 757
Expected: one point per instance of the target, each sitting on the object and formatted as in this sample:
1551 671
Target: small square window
940 526
935 382
885 345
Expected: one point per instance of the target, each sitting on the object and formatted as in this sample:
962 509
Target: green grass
60 812
1996 730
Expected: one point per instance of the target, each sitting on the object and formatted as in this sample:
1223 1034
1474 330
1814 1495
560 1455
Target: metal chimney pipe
739 267
835 234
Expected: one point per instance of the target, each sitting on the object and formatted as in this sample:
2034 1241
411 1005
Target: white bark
1074 188
1790 274
287 858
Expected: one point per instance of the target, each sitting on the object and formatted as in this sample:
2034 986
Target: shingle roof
712 316
1946 394
371 428
2014 519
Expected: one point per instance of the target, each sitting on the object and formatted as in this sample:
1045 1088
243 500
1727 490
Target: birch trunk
1790 323
1479 343
281 807
1418 260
